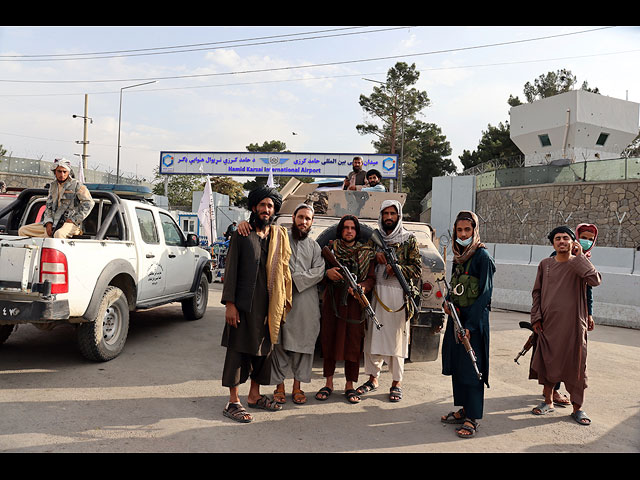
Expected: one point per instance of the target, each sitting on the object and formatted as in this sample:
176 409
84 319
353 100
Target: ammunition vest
465 288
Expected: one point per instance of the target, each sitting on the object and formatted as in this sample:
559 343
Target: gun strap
375 293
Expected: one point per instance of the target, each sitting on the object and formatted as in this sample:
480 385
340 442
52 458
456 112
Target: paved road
163 394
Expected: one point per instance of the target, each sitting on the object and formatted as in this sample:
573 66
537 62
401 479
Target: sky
221 88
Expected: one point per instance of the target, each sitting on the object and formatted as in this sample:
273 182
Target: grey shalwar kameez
298 334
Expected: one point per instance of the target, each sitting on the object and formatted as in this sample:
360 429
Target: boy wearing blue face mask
472 286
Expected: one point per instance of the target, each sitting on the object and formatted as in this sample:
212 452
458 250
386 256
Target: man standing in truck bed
68 204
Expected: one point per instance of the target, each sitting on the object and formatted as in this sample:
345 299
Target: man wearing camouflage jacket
68 204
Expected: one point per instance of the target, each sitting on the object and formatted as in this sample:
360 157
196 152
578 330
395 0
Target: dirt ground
163 394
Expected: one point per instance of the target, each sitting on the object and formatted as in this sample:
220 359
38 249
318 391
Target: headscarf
399 234
62 163
359 254
591 228
462 254
561 229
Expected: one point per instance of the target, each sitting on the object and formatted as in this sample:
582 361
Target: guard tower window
602 139
544 140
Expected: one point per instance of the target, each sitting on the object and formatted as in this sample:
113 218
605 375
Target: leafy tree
550 84
180 188
227 186
429 150
395 104
495 143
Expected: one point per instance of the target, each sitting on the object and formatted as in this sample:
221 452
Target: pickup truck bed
131 255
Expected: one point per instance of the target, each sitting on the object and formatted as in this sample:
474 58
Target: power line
187 48
345 62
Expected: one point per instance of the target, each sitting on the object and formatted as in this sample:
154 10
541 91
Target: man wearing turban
257 296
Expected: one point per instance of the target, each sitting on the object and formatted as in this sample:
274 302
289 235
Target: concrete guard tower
574 126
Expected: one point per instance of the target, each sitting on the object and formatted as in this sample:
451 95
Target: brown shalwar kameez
560 303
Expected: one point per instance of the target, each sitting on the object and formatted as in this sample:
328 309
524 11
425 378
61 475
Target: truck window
172 234
147 225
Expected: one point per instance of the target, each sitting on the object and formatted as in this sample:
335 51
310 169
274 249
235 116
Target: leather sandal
279 395
299 397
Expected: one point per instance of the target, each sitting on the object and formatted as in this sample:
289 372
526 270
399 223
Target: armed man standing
68 204
391 343
472 287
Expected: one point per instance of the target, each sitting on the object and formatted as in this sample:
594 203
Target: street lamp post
84 142
120 123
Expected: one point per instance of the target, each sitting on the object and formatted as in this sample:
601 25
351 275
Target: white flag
206 214
270 182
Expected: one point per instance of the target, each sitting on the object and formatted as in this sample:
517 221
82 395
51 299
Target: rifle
392 260
529 343
460 331
352 281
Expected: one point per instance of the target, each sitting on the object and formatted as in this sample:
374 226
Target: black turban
260 193
562 229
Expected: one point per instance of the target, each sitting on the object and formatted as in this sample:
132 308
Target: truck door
151 274
179 259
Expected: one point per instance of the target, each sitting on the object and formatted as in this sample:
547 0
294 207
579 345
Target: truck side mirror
192 240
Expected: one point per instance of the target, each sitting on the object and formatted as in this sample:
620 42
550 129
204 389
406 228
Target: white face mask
464 243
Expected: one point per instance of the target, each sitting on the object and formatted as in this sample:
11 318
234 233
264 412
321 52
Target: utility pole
84 141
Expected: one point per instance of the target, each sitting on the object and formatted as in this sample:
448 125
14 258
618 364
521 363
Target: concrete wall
616 301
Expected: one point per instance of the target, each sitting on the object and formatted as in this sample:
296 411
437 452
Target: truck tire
5 331
193 308
103 338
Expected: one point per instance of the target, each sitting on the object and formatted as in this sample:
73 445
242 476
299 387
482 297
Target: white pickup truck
132 255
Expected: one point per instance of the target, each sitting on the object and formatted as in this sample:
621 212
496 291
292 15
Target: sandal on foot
562 402
543 409
395 394
265 403
366 387
299 397
471 429
352 396
454 417
581 417
236 411
279 396
323 393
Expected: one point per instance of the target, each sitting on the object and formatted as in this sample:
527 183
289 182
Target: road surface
163 394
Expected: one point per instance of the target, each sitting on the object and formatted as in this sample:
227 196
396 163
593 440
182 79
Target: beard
297 233
389 226
259 222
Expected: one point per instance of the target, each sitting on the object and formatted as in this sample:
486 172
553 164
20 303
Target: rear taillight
53 267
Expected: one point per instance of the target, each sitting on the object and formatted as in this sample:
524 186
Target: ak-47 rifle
352 282
392 260
460 331
529 343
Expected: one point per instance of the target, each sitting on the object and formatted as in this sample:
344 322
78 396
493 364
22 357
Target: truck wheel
193 308
5 331
103 338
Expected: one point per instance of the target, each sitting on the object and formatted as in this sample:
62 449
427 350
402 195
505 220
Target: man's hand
537 327
467 334
244 228
590 323
49 228
231 315
334 274
576 249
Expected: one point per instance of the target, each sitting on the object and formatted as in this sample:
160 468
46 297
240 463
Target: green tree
429 150
395 104
495 143
550 84
180 188
227 186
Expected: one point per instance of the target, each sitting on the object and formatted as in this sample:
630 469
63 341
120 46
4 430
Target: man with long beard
257 297
299 333
390 344
356 177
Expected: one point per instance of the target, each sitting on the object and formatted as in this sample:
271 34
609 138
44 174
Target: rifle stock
352 281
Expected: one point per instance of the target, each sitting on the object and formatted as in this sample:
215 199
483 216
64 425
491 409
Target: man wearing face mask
472 286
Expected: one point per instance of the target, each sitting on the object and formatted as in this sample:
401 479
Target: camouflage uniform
68 201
